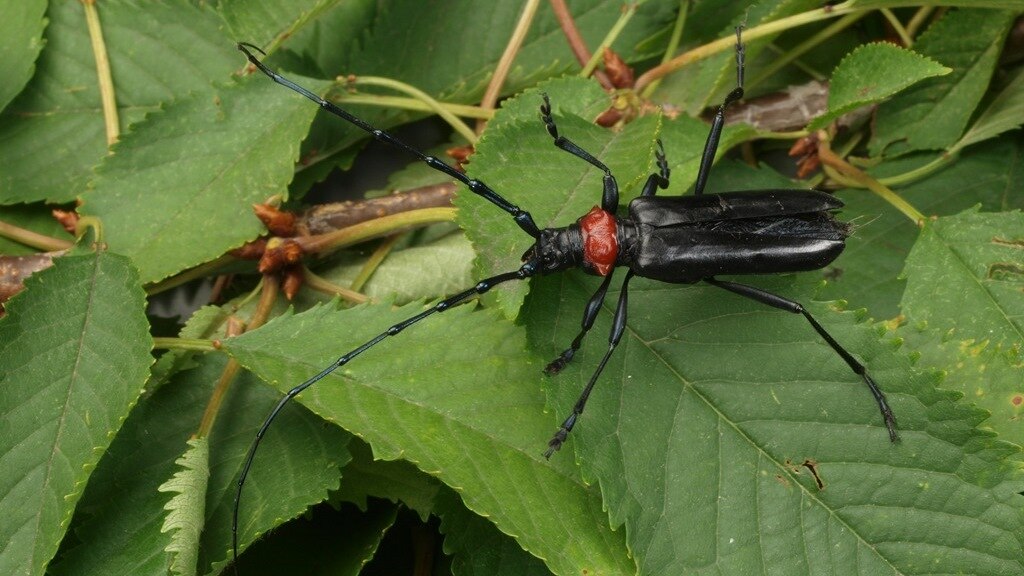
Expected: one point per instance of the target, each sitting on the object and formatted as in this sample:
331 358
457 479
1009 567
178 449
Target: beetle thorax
591 243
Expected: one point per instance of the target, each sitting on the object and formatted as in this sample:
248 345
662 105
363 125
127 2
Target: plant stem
422 96
806 46
321 284
106 81
33 239
576 43
749 34
267 297
86 222
201 271
373 229
830 159
401 102
920 172
194 344
917 20
898 27
627 14
374 262
490 97
673 44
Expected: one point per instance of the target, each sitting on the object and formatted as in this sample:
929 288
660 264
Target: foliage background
698 446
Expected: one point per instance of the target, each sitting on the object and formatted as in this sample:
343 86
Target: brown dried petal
279 223
250 250
609 117
67 218
618 72
807 165
292 281
804 146
460 154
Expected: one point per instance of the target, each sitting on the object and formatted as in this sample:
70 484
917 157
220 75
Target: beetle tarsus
556 365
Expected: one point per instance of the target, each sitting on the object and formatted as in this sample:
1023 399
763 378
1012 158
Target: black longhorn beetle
677 239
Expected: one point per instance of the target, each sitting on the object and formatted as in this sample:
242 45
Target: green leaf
872 73
867 274
260 22
118 526
964 306
322 544
433 270
469 414
712 404
186 509
474 543
21 39
185 172
53 134
74 348
1006 112
477 547
934 113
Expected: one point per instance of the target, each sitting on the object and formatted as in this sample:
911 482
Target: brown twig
576 43
330 217
268 295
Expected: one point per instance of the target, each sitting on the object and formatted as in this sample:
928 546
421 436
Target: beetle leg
589 314
660 179
618 328
781 303
610 198
711 146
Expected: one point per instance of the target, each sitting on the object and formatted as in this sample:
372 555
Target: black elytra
680 239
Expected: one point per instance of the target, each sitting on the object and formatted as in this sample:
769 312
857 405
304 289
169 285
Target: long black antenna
525 271
522 217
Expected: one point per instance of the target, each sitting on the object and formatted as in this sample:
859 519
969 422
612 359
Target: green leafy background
723 437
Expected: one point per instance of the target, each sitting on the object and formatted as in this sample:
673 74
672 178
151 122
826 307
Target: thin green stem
268 295
918 20
754 33
673 44
920 172
86 222
105 79
794 135
905 37
403 103
194 344
830 159
374 262
203 270
806 46
422 96
33 239
321 284
627 14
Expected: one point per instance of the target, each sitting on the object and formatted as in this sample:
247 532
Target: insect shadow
675 239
